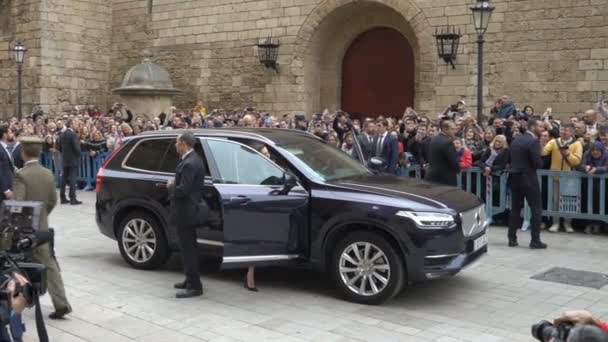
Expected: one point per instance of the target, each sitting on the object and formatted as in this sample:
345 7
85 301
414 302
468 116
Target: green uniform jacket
35 183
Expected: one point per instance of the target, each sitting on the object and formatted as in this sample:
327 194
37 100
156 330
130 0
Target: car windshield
323 161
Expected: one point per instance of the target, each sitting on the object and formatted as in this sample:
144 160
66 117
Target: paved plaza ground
494 300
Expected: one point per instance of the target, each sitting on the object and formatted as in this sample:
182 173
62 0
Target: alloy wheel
139 240
364 268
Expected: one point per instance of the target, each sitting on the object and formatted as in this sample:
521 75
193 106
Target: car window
146 154
240 164
171 158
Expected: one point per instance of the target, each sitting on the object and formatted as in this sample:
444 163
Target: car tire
142 242
384 274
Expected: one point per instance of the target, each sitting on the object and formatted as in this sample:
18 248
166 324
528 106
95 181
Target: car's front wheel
142 242
366 268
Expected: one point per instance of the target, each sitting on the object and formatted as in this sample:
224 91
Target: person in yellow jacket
566 154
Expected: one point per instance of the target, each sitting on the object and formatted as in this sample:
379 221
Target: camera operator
572 326
35 183
12 283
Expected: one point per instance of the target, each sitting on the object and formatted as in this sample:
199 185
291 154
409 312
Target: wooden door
378 74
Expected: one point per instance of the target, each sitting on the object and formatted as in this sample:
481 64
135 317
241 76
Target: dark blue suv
285 197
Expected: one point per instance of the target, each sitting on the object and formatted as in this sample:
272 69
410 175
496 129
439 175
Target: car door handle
241 199
161 185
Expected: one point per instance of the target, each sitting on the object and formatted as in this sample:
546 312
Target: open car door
264 211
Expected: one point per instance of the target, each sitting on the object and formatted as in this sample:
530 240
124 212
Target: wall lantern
448 41
268 52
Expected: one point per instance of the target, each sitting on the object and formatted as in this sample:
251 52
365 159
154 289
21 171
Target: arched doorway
378 74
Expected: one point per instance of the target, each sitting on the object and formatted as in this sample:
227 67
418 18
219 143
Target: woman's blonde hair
501 137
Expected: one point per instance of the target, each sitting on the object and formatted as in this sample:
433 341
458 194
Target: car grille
473 221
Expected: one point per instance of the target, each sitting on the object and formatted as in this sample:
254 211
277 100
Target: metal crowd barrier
577 195
87 171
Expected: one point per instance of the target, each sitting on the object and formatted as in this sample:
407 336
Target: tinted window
148 154
239 164
171 158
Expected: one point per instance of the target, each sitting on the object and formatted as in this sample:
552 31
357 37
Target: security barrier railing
89 165
566 194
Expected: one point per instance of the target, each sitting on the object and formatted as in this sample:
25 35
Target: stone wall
19 22
75 53
542 52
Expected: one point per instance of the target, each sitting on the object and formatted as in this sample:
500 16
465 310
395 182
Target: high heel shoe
245 285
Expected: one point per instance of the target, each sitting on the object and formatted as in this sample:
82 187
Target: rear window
148 155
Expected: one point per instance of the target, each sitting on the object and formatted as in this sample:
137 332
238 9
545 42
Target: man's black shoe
64 201
59 314
538 245
513 243
189 293
75 202
181 286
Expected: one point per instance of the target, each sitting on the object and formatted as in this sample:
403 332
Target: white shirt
187 153
382 139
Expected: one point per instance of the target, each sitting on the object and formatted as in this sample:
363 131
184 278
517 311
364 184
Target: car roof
274 136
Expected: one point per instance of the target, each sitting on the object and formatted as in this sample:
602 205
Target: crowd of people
576 144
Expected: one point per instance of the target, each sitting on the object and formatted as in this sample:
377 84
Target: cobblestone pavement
494 300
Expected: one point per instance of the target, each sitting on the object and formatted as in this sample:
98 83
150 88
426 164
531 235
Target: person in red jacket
464 154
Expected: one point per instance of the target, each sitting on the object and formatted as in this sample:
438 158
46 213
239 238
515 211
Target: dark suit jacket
500 163
17 156
367 145
7 172
443 161
525 155
186 193
390 152
69 145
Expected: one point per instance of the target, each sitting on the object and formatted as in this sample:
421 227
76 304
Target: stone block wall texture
546 53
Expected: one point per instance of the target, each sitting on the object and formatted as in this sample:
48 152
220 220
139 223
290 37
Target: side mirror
289 182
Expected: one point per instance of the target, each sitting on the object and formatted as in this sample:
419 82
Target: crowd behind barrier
575 146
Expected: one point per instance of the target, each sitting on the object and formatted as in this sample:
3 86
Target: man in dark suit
7 166
366 140
186 195
69 145
443 159
386 146
525 160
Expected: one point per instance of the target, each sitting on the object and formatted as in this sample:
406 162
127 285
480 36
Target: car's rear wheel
142 242
366 268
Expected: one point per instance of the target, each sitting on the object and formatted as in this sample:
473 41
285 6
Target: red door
378 74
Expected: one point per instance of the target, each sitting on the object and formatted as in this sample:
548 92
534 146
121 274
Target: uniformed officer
35 183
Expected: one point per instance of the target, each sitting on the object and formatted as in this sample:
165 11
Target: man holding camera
35 183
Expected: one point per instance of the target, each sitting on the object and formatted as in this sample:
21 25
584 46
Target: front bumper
434 266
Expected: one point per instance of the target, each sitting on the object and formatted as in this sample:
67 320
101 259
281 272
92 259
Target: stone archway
331 28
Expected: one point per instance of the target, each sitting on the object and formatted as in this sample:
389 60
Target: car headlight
428 220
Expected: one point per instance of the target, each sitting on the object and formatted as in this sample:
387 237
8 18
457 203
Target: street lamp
482 11
19 54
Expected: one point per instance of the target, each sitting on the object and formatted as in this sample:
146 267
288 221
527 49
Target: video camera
546 331
19 235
